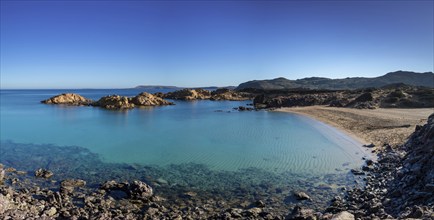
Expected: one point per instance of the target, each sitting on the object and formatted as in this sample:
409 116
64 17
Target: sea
192 144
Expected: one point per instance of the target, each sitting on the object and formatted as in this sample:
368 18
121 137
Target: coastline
377 126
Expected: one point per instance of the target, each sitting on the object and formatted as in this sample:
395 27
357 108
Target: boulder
344 215
68 99
299 213
135 190
140 190
114 102
146 99
68 186
301 196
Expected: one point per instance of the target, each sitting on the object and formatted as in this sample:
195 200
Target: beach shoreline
377 126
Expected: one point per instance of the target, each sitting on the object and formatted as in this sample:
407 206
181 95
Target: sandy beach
377 126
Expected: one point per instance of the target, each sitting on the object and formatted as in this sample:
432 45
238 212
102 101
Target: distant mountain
405 77
179 88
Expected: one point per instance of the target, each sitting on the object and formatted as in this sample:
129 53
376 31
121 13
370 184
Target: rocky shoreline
398 185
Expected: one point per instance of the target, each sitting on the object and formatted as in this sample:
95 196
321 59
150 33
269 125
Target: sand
377 126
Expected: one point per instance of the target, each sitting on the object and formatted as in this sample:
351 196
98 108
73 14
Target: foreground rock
68 99
399 184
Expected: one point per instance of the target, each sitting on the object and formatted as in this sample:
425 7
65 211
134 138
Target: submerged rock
301 196
68 186
43 173
299 213
68 99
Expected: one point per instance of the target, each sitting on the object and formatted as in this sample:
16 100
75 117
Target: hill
406 77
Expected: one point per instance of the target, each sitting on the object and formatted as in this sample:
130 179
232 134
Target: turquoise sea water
201 132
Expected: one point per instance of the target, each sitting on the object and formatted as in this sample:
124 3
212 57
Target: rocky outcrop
68 99
364 101
114 102
230 95
146 99
188 94
111 101
292 100
401 97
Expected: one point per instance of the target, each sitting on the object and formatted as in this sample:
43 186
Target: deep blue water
201 132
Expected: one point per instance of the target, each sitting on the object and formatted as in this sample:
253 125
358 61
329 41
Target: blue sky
121 44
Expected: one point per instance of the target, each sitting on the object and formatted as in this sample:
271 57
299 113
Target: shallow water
201 132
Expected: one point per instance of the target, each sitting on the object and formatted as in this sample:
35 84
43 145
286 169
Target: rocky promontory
68 99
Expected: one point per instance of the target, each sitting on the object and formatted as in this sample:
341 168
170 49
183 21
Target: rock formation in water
146 99
68 99
109 102
114 102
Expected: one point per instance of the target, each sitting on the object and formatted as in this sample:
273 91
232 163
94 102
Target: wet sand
377 126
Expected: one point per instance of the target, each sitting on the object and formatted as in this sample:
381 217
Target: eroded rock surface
68 99
114 102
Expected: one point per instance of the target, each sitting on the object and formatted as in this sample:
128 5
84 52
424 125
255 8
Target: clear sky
120 44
